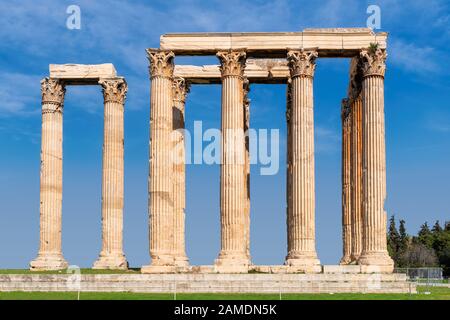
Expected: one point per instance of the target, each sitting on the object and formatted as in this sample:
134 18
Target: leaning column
180 91
161 165
346 178
374 256
302 254
50 255
233 256
111 255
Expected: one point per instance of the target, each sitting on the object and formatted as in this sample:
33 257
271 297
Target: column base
303 262
111 262
181 261
376 262
345 260
232 263
49 262
354 258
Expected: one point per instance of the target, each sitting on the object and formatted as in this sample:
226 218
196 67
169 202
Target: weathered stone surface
161 210
82 73
50 255
301 221
213 283
346 117
329 42
234 256
256 71
111 255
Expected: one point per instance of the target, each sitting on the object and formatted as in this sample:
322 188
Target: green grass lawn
437 293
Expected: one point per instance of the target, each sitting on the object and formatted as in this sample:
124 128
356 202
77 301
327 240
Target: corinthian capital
180 89
161 63
53 91
114 90
302 62
373 61
232 62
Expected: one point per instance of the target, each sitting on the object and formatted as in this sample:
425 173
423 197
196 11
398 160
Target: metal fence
424 276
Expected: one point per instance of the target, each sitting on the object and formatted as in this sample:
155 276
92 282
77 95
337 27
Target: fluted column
50 255
356 178
180 91
288 156
301 219
346 178
161 165
374 250
111 255
233 255
247 162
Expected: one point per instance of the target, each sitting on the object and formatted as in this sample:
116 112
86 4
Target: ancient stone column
161 164
288 154
301 224
111 255
233 256
180 91
50 255
374 251
247 161
356 178
346 179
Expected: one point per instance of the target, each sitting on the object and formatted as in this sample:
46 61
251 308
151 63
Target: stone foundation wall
214 283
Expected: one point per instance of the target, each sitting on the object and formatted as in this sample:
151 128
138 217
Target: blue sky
33 34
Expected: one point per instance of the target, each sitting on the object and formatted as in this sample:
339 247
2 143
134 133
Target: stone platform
211 283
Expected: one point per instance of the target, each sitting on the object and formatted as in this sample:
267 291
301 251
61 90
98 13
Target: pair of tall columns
364 165
166 165
50 255
166 179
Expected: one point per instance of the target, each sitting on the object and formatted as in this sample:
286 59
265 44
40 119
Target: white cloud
413 58
19 94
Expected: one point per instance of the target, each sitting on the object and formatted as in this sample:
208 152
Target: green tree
425 236
403 237
436 228
393 240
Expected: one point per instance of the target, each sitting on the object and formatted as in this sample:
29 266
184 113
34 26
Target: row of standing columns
363 168
364 165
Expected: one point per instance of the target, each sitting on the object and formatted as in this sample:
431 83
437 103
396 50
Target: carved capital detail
161 63
302 62
53 91
114 90
180 89
232 63
373 62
